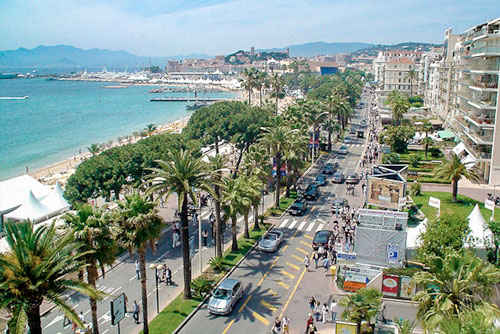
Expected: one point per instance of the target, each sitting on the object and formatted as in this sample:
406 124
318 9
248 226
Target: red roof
402 60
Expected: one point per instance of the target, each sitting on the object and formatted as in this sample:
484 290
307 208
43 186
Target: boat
14 97
196 105
8 75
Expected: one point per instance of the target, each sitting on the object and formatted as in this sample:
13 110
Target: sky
175 27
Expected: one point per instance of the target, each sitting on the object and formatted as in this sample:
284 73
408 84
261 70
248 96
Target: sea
60 118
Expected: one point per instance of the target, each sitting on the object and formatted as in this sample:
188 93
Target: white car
342 150
271 241
225 296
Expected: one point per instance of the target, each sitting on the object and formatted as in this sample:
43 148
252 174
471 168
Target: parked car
321 180
352 131
225 296
338 203
329 168
321 238
352 178
347 140
298 208
312 192
363 122
342 150
338 177
271 241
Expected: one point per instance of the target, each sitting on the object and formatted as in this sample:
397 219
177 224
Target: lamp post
494 202
156 268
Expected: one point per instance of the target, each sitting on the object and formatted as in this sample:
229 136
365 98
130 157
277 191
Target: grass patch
285 203
427 179
462 208
175 312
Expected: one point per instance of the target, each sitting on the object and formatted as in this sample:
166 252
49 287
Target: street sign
435 203
118 309
392 253
489 204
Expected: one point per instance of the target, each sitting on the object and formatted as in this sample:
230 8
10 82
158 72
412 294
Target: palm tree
335 106
400 106
150 129
260 82
181 174
361 306
94 149
37 267
277 85
411 75
453 170
251 190
456 284
427 141
138 225
276 139
248 81
91 229
234 203
427 127
293 154
405 326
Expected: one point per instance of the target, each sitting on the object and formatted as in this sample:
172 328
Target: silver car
271 241
343 150
225 296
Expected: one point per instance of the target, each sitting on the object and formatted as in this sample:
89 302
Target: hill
68 56
320 48
407 46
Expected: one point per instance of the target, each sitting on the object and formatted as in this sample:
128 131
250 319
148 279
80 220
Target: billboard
118 309
385 193
345 328
390 285
408 289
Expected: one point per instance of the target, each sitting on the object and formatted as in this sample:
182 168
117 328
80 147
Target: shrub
390 158
416 189
414 159
201 286
435 151
415 99
217 263
416 104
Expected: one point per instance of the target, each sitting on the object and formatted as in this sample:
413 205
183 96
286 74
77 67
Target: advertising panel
385 193
118 309
390 285
345 328
346 258
407 288
353 286
392 253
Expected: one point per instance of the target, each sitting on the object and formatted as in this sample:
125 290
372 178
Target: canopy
446 134
31 208
459 148
55 200
478 229
469 161
412 237
14 191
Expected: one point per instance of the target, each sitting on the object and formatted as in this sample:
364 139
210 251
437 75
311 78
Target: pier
187 99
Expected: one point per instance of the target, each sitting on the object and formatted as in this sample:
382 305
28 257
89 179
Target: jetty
187 99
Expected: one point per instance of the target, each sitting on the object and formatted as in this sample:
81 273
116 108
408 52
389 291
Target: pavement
122 278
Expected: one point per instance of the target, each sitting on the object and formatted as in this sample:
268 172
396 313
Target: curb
190 315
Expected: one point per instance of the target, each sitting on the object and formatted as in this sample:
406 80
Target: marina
186 99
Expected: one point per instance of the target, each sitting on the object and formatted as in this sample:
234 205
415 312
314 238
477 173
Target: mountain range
64 56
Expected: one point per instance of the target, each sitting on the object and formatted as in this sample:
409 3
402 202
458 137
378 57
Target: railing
480 84
485 49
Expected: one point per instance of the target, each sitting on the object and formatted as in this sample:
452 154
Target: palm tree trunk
288 180
260 98
278 179
276 92
218 225
249 92
186 261
256 217
234 246
454 193
144 291
92 278
329 139
247 232
33 315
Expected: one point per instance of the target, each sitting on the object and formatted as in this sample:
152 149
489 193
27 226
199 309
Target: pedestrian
168 276
312 329
325 311
81 317
138 269
306 262
310 321
334 256
317 311
316 258
326 265
126 303
277 325
286 325
312 303
135 314
334 309
204 235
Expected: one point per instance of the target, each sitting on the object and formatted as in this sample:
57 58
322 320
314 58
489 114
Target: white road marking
321 221
320 227
205 214
131 278
112 292
284 223
301 226
105 318
105 331
310 227
292 224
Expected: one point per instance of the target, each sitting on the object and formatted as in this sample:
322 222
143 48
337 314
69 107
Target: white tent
55 200
412 237
478 229
14 191
31 208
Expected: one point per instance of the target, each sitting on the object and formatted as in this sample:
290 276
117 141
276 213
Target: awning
459 148
469 161
436 122
446 134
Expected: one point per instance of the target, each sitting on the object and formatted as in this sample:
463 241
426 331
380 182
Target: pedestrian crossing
353 145
305 225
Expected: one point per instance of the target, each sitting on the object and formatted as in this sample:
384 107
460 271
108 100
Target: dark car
329 168
321 180
298 208
338 204
338 177
321 238
312 192
352 178
352 131
363 123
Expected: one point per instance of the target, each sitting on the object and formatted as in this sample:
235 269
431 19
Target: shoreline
62 170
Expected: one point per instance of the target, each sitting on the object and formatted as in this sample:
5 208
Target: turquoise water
61 117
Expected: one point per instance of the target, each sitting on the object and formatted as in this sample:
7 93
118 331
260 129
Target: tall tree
216 165
248 81
234 203
138 224
150 129
181 174
278 88
361 306
400 106
93 231
411 75
37 267
94 149
453 170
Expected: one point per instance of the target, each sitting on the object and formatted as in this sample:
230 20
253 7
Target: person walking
315 257
317 311
312 329
310 321
168 276
312 303
286 325
326 264
325 312
135 313
204 236
334 309
277 326
306 262
138 269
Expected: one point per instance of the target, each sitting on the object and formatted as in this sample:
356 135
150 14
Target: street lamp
156 268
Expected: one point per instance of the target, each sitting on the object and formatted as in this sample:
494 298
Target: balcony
477 151
484 51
